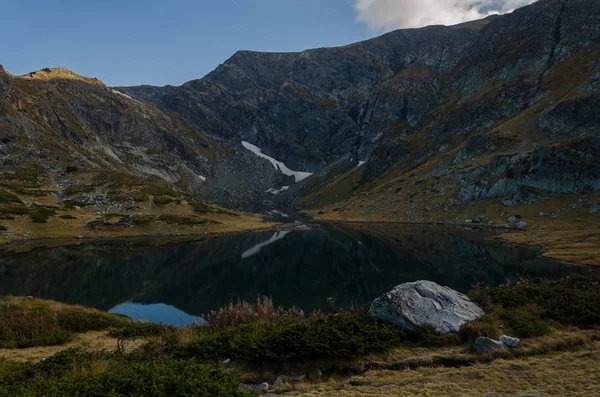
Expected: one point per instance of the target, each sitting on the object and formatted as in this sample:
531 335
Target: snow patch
277 191
361 163
256 249
276 212
298 175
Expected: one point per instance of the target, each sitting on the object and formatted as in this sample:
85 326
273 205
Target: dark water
177 282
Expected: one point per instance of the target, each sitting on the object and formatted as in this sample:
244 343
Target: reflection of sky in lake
156 313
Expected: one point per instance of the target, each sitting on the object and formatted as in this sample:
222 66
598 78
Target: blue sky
130 42
159 42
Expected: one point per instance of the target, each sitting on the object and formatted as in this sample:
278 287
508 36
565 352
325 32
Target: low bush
41 214
60 377
183 220
527 321
80 320
79 189
28 328
14 209
342 336
162 200
6 197
138 329
571 301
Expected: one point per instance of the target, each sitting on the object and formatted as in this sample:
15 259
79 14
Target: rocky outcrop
413 305
484 345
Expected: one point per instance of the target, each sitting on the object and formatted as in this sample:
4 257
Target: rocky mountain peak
49 74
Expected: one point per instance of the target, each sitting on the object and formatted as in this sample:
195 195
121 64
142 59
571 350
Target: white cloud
393 14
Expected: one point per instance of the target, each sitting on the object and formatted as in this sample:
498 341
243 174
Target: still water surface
175 283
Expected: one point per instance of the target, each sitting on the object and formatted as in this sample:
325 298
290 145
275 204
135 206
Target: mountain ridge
438 118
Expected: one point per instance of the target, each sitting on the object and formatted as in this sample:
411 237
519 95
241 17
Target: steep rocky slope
78 158
500 108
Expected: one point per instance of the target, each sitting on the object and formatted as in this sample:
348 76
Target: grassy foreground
340 353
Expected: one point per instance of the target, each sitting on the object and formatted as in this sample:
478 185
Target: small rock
594 208
468 220
480 219
503 226
262 388
227 361
319 372
297 378
278 381
541 214
485 345
509 203
510 341
522 225
514 219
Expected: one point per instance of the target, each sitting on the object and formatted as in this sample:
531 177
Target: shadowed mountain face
481 110
297 268
505 85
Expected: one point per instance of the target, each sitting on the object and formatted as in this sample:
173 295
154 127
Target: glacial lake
175 282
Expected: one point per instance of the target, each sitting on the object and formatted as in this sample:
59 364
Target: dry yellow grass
57 227
91 340
566 374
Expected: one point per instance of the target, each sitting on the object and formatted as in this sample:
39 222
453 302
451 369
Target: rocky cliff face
477 111
505 85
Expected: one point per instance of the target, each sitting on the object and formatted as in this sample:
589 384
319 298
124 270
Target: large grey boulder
422 303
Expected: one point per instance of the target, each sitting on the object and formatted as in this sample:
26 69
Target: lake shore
563 240
557 353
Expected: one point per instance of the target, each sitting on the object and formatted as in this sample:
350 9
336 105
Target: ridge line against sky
158 43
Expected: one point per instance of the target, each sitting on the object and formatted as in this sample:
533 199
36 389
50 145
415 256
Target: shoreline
558 243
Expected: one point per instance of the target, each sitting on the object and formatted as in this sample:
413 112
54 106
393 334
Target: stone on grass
278 381
522 225
262 387
485 345
510 341
422 303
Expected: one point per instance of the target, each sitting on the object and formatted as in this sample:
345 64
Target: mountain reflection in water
351 264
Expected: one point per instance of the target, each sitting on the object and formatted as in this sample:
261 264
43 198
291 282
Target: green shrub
332 336
183 220
571 301
162 200
121 379
31 192
82 320
137 329
27 328
428 336
78 189
14 210
527 321
41 214
67 217
488 326
6 197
